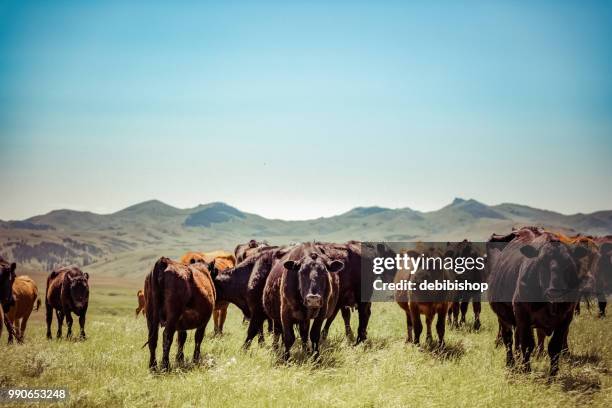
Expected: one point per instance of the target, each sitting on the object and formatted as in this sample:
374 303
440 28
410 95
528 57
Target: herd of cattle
306 285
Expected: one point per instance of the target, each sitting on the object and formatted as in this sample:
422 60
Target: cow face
79 290
7 277
555 269
313 278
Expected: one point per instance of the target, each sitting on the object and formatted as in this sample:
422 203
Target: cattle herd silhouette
306 285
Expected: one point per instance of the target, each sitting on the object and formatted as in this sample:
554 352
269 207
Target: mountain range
127 242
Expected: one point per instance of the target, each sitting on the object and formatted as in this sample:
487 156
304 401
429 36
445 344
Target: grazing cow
299 289
7 277
25 294
179 298
429 303
67 292
142 303
221 260
533 283
603 273
243 286
461 299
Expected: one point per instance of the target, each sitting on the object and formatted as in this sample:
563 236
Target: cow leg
346 316
24 324
270 325
464 308
199 336
168 337
288 338
365 310
315 336
223 316
49 312
417 324
441 325
455 314
278 332
555 345
428 320
60 321
216 320
506 335
476 305
408 327
255 327
69 324
329 322
304 326
527 343
11 328
137 311
82 315
153 327
181 338
601 303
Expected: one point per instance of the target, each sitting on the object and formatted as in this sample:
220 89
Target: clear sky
302 109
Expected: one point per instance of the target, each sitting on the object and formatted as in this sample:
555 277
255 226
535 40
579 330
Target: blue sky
305 109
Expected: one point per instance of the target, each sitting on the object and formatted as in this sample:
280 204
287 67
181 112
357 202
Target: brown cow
179 298
7 277
221 260
25 294
299 289
142 303
429 303
67 293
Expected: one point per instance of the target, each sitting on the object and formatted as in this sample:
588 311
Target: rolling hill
127 242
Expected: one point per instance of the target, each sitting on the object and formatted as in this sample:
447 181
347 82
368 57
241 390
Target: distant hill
127 242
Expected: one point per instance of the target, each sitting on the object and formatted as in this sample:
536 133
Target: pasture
110 368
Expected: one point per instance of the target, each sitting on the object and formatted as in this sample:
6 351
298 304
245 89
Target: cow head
78 287
7 277
313 278
555 268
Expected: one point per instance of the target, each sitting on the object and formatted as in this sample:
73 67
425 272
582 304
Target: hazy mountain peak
365 211
216 212
150 206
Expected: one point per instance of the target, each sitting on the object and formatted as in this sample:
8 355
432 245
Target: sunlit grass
110 367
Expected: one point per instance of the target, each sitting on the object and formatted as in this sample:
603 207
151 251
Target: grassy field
110 368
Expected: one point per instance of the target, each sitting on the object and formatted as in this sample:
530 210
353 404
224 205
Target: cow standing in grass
7 277
142 303
179 298
221 260
300 289
67 292
534 283
25 294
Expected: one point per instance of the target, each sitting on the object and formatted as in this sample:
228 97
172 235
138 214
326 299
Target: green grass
110 368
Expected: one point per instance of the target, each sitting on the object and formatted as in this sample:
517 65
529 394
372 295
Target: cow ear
529 251
290 265
335 266
86 275
579 252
